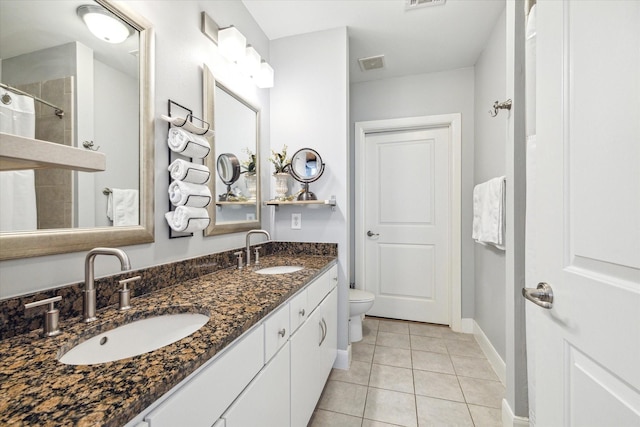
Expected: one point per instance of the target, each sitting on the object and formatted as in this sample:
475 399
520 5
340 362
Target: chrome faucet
248 241
89 293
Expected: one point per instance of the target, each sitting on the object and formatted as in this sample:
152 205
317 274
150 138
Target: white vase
282 185
250 182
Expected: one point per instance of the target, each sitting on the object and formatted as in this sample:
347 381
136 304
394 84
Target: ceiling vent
416 4
371 63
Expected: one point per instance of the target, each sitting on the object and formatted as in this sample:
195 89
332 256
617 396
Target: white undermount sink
132 339
280 269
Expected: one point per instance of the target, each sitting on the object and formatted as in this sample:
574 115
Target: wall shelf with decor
310 203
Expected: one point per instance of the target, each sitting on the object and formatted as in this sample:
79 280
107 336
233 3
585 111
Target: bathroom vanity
262 358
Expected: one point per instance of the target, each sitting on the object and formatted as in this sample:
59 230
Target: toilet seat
358 295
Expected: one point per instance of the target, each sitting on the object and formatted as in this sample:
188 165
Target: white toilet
359 303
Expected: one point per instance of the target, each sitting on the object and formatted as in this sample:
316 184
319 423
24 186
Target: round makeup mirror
228 168
306 166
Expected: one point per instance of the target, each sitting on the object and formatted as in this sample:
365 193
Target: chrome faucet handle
51 316
125 293
256 252
239 255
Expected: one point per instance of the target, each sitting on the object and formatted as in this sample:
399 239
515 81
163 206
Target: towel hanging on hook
506 105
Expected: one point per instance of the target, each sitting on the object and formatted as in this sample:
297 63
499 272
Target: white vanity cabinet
313 352
272 376
265 402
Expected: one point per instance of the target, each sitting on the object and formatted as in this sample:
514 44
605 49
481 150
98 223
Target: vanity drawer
321 287
299 310
276 331
204 398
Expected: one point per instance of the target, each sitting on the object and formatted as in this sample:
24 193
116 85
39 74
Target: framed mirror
236 123
306 166
106 90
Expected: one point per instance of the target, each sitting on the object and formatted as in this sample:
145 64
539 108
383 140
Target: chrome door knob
542 295
372 234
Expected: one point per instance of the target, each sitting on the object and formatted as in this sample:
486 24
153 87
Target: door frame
454 124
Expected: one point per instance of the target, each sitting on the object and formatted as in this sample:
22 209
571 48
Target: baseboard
343 358
493 357
467 325
509 419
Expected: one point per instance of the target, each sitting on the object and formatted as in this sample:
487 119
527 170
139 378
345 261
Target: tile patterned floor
412 374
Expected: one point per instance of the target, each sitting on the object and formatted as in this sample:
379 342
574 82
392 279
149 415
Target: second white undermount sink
135 338
280 269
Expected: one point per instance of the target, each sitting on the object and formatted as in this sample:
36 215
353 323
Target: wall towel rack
6 99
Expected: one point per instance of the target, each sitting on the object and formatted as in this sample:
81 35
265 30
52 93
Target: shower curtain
17 188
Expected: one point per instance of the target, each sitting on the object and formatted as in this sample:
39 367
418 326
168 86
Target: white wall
181 49
489 162
309 108
115 91
423 95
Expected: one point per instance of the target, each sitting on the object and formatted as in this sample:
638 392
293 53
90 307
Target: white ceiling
424 40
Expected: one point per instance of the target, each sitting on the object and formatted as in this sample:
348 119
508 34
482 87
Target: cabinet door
306 379
202 400
329 347
265 402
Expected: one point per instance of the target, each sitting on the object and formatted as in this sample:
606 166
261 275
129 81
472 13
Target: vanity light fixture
232 43
264 78
103 24
232 46
250 63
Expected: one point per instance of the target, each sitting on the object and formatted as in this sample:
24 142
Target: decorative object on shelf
229 171
306 166
282 185
232 45
249 172
281 163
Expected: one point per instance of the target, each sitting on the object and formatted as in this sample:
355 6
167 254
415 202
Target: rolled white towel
188 144
189 172
189 194
188 219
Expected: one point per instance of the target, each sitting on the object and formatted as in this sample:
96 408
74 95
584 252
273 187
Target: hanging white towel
189 194
188 144
189 172
488 212
188 219
123 207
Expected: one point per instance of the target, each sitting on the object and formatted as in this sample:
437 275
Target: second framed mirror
237 135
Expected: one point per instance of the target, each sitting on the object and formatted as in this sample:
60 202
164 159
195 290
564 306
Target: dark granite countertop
36 389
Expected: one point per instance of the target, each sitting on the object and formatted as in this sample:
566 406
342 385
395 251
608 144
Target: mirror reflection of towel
123 207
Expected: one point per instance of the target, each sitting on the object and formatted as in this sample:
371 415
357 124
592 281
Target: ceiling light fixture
104 24
232 45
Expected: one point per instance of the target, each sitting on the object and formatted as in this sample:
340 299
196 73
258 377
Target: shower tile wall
54 187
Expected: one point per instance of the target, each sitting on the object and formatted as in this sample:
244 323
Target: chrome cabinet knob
282 332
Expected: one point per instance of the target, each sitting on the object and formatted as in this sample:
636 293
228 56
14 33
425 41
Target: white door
407 221
587 213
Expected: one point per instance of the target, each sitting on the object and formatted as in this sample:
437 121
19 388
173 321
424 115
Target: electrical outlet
296 221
